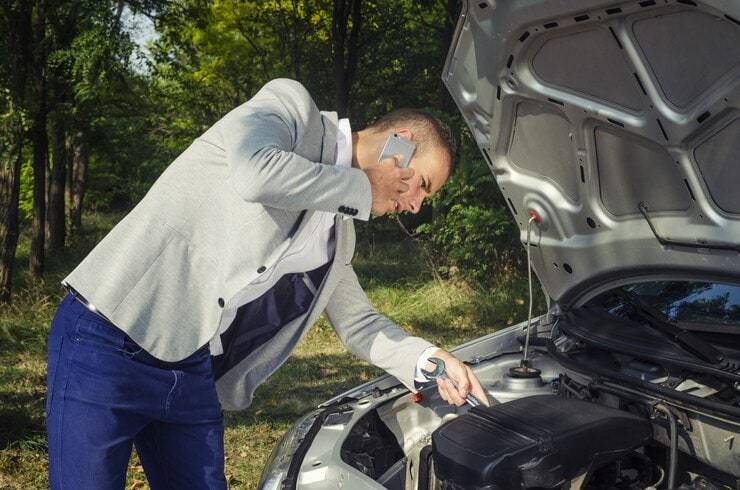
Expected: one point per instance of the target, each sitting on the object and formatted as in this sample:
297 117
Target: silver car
613 131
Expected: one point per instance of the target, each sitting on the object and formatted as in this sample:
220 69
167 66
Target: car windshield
707 303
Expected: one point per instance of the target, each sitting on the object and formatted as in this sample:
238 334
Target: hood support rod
524 370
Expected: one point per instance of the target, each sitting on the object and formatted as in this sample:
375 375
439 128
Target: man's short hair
428 129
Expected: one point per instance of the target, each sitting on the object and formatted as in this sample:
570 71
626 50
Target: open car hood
617 123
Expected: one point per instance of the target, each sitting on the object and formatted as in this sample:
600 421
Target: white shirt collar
344 143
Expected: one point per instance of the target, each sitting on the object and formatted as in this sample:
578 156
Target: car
613 132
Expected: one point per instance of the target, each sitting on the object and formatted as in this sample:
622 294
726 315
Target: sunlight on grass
396 277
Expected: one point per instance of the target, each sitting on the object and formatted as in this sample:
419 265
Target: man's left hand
462 375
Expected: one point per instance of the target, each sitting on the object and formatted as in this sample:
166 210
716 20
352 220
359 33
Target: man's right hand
387 184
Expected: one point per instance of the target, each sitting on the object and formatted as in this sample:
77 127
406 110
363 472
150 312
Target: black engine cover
532 442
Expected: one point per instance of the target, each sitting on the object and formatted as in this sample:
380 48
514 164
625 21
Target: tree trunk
79 182
10 171
40 154
346 28
55 219
40 144
19 58
68 173
47 187
448 31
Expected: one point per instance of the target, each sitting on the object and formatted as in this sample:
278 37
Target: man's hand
463 377
387 184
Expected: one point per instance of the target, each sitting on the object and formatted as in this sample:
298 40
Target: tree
90 74
345 29
39 137
113 129
77 180
57 59
15 26
55 222
11 129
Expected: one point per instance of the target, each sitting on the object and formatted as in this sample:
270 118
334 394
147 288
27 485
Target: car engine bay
592 417
564 428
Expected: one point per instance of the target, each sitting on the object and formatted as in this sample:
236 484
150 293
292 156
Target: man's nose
415 204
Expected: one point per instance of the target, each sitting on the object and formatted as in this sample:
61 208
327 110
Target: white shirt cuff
422 362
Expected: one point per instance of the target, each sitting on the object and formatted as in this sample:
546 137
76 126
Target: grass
393 272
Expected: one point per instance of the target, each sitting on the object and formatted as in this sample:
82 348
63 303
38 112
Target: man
206 286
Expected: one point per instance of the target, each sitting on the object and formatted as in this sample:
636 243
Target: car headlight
278 464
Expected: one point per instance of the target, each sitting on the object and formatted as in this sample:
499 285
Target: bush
471 226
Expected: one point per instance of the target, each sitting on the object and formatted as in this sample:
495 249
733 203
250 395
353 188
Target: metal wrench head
438 371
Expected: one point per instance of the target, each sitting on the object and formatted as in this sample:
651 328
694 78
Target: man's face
431 170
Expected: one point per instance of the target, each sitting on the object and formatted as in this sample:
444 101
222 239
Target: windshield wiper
658 322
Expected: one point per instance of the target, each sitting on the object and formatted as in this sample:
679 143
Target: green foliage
471 225
211 56
25 198
14 121
12 118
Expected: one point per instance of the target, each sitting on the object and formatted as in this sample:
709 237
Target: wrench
439 372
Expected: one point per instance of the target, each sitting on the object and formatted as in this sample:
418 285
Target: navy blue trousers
105 394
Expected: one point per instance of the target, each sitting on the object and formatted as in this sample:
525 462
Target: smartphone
396 145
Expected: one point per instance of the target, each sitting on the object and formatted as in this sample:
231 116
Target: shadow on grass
301 385
19 425
391 263
22 376
22 394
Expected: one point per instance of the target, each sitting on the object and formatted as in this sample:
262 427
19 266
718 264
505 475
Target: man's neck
362 145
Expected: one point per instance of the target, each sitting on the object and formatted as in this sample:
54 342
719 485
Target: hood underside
617 123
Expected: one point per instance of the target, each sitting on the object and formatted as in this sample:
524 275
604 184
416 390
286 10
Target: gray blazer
220 214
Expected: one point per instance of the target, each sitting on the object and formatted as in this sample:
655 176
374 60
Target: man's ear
404 133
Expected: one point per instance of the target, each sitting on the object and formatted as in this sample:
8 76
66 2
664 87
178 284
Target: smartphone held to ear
396 145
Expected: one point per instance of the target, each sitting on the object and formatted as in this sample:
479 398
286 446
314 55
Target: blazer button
261 269
221 302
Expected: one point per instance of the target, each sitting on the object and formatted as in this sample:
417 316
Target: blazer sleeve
260 138
370 335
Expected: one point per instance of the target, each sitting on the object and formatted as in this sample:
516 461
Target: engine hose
689 402
673 455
